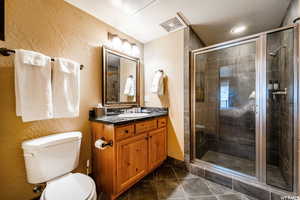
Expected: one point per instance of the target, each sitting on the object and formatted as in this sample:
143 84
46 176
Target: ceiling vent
173 24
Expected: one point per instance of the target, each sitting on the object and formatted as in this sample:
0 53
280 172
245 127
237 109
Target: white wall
167 53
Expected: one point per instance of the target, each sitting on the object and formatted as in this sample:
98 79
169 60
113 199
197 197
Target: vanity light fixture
122 45
126 47
238 29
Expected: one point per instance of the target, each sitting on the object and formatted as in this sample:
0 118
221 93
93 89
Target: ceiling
212 20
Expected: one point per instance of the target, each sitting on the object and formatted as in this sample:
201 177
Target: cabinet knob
126 131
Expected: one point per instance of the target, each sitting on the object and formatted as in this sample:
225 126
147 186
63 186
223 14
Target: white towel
157 86
66 88
130 87
33 85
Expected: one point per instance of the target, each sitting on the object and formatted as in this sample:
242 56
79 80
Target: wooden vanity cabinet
138 148
157 147
132 162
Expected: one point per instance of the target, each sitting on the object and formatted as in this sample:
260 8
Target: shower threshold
243 166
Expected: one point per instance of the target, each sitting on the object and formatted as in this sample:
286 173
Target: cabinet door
157 147
132 161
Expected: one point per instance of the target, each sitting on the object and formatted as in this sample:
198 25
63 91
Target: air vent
173 24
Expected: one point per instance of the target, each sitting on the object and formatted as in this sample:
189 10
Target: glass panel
280 109
225 108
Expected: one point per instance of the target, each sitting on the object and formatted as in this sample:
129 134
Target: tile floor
168 182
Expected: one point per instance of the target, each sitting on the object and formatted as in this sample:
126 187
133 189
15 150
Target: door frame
261 96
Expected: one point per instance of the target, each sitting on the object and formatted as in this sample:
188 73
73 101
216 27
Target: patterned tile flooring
168 182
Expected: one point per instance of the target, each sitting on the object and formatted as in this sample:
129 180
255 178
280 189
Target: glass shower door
245 110
225 103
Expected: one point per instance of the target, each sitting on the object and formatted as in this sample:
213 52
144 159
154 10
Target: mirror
120 79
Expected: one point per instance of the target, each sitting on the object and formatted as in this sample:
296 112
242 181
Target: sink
132 115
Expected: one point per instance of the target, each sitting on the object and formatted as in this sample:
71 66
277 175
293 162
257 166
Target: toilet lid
73 186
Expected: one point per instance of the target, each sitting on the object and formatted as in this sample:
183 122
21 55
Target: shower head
275 52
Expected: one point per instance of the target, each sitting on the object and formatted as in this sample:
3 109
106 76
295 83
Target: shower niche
244 105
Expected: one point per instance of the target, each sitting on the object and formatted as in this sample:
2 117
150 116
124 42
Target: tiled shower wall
280 107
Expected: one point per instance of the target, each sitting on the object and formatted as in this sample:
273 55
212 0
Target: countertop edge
122 122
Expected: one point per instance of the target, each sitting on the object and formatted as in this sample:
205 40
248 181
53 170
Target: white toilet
50 159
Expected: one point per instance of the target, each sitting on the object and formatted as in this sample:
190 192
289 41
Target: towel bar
8 52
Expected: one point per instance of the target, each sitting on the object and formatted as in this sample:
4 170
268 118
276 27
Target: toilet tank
51 156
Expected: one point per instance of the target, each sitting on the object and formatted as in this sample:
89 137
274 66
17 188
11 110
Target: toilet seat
71 186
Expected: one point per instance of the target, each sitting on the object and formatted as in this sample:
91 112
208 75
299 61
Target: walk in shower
244 107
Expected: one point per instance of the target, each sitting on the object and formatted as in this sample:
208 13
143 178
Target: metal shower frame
261 97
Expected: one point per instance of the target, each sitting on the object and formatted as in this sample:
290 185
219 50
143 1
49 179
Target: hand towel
33 85
130 87
157 86
66 88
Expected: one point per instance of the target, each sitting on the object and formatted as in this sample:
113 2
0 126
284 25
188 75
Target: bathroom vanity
129 141
137 147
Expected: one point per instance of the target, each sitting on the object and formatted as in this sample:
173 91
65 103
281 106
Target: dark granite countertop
116 120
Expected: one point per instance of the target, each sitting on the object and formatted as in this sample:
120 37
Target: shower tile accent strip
230 182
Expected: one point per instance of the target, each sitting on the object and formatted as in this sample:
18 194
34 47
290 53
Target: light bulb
116 42
126 47
135 50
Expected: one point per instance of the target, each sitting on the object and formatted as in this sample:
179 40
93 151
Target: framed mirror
120 76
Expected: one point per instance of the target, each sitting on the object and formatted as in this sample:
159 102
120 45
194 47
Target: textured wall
167 53
55 28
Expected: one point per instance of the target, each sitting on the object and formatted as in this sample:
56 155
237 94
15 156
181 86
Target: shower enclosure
244 98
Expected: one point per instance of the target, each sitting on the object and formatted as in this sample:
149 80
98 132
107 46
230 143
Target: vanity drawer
123 132
142 127
162 122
